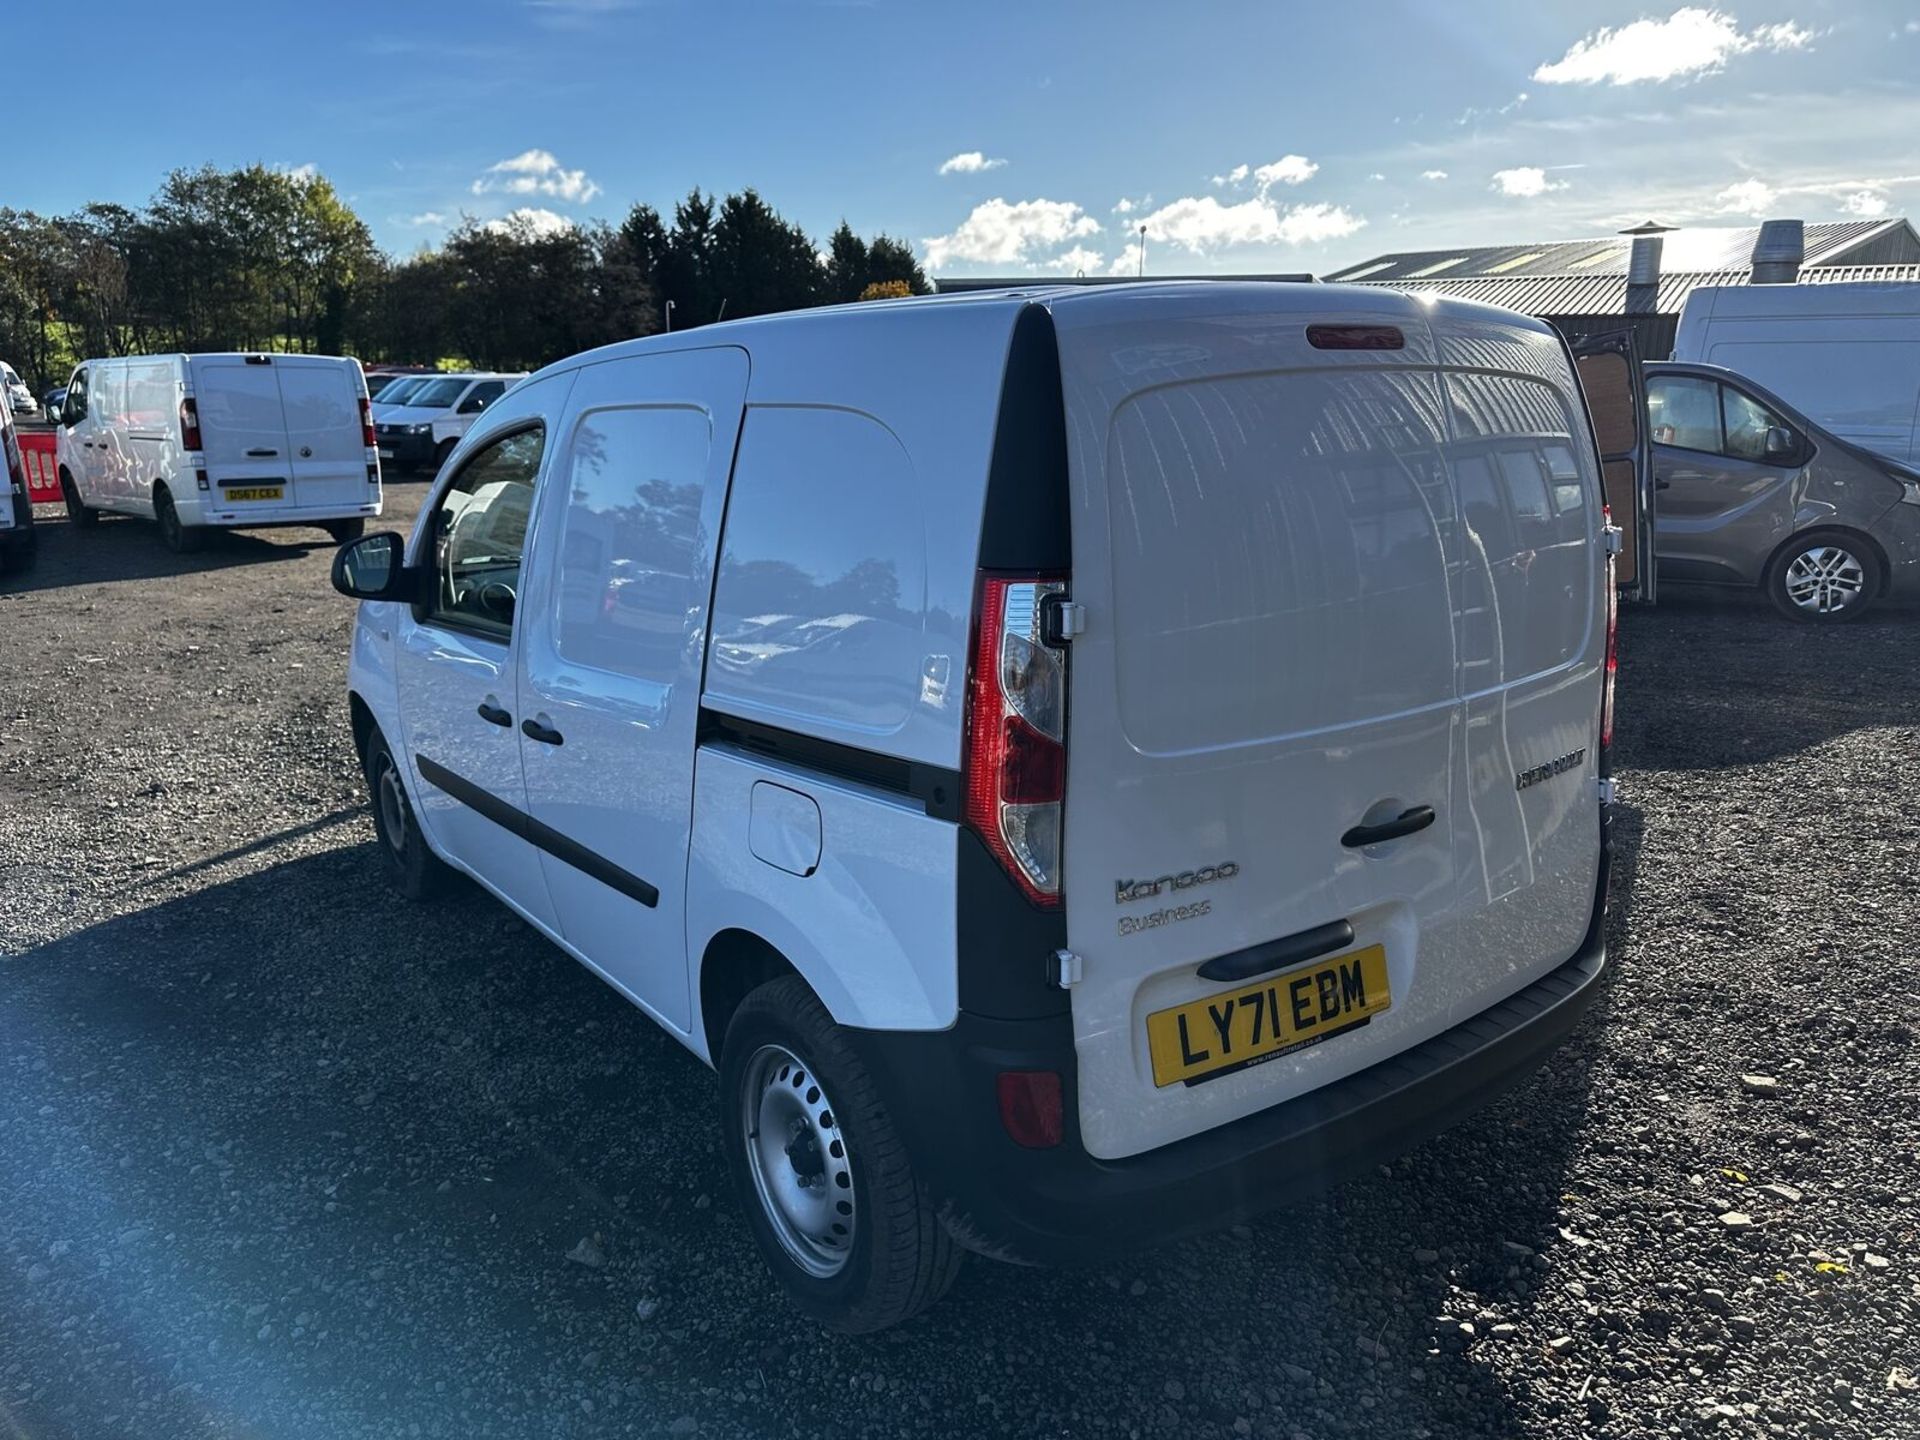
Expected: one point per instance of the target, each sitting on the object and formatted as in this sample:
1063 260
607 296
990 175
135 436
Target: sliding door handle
494 715
545 734
1407 822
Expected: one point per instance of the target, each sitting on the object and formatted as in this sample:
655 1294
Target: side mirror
1779 441
373 568
473 406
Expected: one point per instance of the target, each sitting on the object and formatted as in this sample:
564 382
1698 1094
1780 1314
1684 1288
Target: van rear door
1616 392
243 430
1281 840
326 445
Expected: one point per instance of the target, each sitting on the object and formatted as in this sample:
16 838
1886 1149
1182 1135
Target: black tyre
344 530
830 1193
180 539
1825 577
77 513
418 873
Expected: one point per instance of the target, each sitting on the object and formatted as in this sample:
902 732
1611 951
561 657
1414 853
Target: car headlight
419 429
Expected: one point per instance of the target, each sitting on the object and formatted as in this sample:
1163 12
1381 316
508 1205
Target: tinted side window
482 395
480 532
75 408
1684 412
1748 422
630 545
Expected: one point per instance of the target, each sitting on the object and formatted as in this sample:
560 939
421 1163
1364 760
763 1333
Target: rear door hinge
1065 969
1613 538
1608 790
1062 619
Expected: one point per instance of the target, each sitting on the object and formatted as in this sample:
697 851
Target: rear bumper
1062 1206
412 452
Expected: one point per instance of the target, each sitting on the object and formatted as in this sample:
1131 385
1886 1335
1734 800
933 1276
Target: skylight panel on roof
1366 270
1435 269
1515 263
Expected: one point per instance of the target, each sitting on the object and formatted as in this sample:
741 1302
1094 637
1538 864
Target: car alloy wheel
1825 579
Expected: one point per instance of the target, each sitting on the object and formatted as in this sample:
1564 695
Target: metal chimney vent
1779 251
1643 265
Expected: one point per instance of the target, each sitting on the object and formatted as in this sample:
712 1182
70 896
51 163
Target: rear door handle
1407 822
261 454
1660 482
1279 954
545 734
494 715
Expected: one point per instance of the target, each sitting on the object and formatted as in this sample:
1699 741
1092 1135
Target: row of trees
257 259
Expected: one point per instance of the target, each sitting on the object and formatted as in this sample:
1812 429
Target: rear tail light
1030 1107
366 422
16 467
1016 734
190 425
1613 650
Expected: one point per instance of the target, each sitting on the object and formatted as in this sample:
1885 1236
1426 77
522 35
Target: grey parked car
1751 492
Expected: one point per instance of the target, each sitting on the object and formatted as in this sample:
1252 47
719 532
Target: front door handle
494 715
1660 482
545 734
1407 822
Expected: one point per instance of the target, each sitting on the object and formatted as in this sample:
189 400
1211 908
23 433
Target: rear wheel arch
360 719
735 963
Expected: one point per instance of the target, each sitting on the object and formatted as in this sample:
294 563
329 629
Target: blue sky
1247 136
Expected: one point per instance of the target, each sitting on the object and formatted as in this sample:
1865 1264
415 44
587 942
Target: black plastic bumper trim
1064 1206
542 837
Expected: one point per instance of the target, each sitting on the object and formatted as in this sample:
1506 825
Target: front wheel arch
1842 532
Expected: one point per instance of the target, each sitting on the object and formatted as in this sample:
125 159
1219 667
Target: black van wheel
847 1228
180 539
416 871
344 530
1825 577
77 513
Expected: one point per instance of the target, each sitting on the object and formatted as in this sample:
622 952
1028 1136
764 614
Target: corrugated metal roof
1685 250
1607 294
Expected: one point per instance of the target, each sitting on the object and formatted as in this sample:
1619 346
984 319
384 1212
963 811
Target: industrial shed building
1640 278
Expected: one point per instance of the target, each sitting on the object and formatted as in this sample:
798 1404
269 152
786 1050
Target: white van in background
203 441
17 535
1845 356
1085 765
421 431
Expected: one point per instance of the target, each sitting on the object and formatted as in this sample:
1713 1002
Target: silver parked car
1751 492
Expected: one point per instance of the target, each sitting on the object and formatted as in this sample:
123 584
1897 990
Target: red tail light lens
366 422
1613 646
1016 734
190 425
1031 1108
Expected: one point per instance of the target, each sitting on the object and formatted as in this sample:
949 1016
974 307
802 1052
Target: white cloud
1287 170
542 223
537 172
1433 174
426 217
1127 262
969 162
1076 260
1200 223
1235 176
1123 206
1693 40
1747 197
1525 181
1376 175
1002 232
1867 204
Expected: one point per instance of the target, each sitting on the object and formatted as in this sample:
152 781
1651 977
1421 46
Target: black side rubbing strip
1279 954
935 788
543 837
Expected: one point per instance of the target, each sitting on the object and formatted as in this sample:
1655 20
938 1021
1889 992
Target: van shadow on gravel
121 547
305 1159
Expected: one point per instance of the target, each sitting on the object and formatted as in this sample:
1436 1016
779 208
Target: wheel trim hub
393 806
799 1161
1825 579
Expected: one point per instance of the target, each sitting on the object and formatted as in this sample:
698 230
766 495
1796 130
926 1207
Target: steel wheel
1825 579
391 795
798 1159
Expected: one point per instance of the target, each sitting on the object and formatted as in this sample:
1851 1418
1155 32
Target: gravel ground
280 1155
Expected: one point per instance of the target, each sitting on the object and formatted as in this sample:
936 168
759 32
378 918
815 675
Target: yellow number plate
1205 1039
253 492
